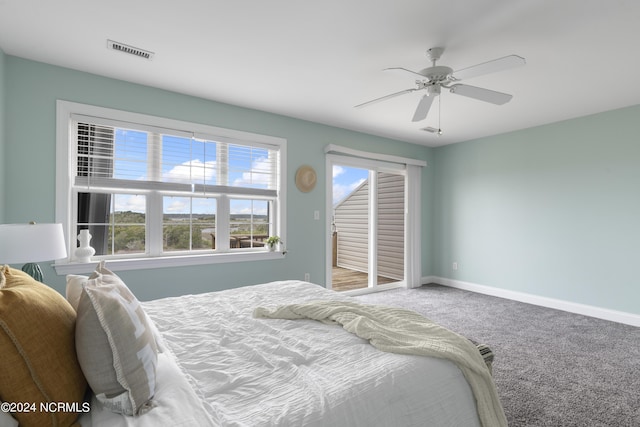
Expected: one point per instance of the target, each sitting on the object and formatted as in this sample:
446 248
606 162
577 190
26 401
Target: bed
218 364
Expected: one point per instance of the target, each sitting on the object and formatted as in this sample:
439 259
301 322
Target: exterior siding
352 225
391 226
351 220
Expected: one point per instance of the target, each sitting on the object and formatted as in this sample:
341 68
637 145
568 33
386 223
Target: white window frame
65 209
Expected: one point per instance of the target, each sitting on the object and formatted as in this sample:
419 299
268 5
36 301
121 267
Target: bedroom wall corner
549 211
428 211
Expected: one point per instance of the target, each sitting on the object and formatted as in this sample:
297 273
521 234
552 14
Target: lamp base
33 270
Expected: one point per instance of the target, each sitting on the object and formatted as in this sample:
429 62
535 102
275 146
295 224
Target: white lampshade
22 243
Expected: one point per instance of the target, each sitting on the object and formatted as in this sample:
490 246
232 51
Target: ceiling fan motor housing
437 74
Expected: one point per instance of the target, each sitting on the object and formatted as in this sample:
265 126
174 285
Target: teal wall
2 133
30 149
552 211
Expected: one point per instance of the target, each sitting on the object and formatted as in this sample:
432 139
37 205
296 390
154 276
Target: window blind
112 155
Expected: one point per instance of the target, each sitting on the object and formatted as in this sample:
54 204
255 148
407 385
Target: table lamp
31 243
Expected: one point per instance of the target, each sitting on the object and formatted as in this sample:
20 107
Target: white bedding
175 403
263 372
401 331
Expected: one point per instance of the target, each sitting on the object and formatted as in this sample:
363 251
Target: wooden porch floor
344 279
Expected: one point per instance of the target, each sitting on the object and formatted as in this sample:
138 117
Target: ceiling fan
434 78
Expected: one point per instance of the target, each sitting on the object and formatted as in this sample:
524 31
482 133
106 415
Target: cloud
340 191
259 175
125 203
204 206
192 171
177 205
338 170
249 211
185 205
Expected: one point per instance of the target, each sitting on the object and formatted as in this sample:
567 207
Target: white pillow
177 403
74 289
115 344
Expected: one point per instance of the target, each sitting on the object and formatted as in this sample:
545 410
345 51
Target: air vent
121 47
432 130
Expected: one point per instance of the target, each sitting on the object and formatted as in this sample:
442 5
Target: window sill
63 268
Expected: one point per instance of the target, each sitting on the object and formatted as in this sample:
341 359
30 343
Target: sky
345 180
187 160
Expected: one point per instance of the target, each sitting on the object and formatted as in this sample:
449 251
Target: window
149 188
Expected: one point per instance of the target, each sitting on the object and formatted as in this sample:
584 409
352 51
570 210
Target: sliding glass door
368 211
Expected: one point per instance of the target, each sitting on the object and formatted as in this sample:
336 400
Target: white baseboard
572 307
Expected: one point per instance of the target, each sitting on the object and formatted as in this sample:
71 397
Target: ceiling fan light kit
433 90
436 77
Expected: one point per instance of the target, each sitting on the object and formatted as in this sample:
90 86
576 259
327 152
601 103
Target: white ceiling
316 60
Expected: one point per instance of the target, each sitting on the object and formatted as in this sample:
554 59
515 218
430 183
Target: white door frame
377 165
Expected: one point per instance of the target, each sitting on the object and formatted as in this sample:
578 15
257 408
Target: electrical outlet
307 277
454 266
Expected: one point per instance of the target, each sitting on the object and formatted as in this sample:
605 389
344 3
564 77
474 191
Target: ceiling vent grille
432 130
121 47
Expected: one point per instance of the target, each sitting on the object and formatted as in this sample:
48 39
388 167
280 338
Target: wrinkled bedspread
270 372
402 331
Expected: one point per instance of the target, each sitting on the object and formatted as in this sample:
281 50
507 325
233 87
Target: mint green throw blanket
397 330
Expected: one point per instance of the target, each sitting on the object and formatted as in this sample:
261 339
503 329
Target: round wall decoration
306 178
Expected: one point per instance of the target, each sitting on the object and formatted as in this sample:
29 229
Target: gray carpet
552 368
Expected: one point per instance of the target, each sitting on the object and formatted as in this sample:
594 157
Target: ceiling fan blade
403 72
481 94
500 64
423 108
384 98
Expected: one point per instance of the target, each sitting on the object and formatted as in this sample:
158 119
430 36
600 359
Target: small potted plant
272 242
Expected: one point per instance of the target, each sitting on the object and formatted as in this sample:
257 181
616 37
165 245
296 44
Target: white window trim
64 177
